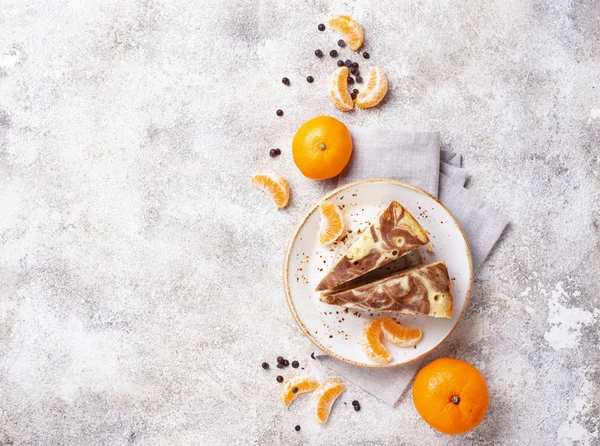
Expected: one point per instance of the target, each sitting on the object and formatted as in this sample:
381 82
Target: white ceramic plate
336 330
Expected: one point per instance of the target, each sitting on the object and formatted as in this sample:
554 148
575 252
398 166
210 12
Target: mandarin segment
324 397
398 334
350 30
274 185
375 89
301 383
451 395
338 89
371 343
332 227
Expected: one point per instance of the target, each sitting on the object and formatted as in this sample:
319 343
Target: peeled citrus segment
338 90
371 343
301 383
274 185
324 397
332 227
374 91
350 30
398 334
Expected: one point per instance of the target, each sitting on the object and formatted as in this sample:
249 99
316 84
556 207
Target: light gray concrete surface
140 274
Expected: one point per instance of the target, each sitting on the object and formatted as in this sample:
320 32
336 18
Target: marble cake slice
394 233
424 290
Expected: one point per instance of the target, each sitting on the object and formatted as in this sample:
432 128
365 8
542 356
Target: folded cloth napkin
416 158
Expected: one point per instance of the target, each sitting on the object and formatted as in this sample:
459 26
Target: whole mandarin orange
322 147
451 395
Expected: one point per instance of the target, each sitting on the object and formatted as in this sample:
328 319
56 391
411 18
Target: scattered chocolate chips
321 27
353 95
341 43
265 365
310 79
350 80
312 355
348 62
354 65
319 53
354 403
366 55
340 63
286 362
294 389
295 364
279 378
273 153
355 91
279 360
279 112
357 407
297 427
333 53
285 81
359 79
354 70
280 366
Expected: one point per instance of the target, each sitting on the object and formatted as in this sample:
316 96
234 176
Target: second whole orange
322 147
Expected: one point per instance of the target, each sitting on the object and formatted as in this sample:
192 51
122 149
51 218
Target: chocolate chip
318 53
366 55
265 365
321 27
297 427
357 407
286 362
273 153
333 53
279 112
295 364
310 79
354 71
355 91
312 355
280 366
359 79
279 378
341 43
354 65
340 63
285 81
348 62
279 360
294 389
350 80
354 403
353 95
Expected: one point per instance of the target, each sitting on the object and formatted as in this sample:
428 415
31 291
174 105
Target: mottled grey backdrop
140 274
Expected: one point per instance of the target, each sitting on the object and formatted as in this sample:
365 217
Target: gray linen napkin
416 158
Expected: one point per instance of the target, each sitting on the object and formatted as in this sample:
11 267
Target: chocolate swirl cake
424 289
394 233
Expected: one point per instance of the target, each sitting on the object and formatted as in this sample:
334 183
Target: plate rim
294 236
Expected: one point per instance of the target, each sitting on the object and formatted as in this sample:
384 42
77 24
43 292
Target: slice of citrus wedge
372 345
295 385
338 89
274 185
398 334
332 227
323 398
350 30
375 89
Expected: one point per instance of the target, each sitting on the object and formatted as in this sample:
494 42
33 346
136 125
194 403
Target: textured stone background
140 274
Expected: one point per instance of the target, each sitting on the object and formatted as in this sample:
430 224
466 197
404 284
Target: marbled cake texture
140 273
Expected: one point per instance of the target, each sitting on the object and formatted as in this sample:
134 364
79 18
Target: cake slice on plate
394 233
424 290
